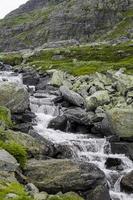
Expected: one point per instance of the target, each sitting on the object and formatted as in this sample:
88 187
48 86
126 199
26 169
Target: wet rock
31 77
127 183
22 127
122 148
72 97
53 176
14 96
58 123
120 121
113 162
99 193
99 98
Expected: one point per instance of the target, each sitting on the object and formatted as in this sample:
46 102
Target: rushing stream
93 150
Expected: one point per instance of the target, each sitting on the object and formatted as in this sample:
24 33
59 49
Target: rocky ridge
57 23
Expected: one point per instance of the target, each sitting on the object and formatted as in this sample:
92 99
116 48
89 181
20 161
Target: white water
93 150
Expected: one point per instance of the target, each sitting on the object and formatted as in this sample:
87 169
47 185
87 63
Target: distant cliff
41 21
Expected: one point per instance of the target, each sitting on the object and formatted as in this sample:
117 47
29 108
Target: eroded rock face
14 96
63 175
83 22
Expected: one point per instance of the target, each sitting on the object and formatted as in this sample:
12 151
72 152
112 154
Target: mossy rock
66 196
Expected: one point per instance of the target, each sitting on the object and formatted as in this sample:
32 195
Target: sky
7 6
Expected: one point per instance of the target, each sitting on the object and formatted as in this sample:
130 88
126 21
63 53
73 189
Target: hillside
43 21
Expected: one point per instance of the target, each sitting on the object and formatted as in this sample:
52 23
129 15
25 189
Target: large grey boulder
14 96
99 98
63 175
99 193
71 96
121 122
7 162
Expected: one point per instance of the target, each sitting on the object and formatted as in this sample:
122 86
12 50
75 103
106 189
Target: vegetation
5 116
14 188
11 59
67 196
85 59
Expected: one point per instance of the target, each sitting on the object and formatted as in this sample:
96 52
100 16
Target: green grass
5 116
17 150
14 188
85 59
11 59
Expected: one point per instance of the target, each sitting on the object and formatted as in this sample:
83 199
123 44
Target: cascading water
93 150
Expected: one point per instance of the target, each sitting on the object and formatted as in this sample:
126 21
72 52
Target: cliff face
41 21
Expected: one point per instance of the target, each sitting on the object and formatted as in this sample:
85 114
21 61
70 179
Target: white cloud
7 6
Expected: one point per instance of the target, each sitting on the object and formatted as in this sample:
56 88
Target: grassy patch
67 196
5 116
85 59
17 150
14 188
11 59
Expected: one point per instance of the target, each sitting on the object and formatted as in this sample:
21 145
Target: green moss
5 116
14 188
11 59
85 59
67 196
17 150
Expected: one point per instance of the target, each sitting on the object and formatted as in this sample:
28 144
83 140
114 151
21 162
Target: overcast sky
8 5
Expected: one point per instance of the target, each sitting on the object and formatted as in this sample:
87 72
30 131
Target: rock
57 78
30 77
99 193
99 98
120 121
41 196
68 195
14 96
31 189
11 196
7 162
23 127
72 97
127 183
122 148
63 175
113 162
58 123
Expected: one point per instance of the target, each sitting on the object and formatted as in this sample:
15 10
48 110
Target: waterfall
93 150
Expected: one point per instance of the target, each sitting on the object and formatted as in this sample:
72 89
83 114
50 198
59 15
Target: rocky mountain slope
39 22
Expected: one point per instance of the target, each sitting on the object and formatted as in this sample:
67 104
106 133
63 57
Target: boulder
122 148
7 162
14 96
41 196
121 122
113 162
58 123
64 175
30 77
72 97
57 78
99 193
127 183
99 98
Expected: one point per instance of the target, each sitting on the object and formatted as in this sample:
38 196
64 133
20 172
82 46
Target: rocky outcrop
63 175
56 21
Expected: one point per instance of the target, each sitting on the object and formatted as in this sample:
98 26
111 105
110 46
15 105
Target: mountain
42 21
